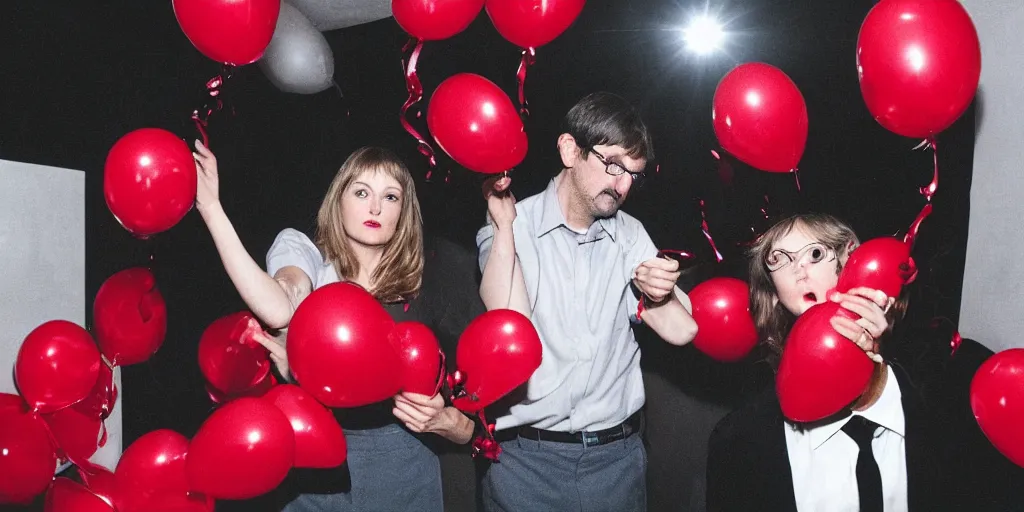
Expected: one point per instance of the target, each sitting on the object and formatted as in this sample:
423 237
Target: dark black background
76 76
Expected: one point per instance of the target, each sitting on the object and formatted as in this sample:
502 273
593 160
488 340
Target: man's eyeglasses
617 169
814 252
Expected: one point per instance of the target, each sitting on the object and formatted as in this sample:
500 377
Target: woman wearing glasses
886 451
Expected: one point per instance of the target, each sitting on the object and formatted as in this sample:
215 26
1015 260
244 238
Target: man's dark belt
632 425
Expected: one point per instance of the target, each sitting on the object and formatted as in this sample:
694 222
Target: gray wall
992 306
42 239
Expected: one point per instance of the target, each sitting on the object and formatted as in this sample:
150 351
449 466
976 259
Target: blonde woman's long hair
399 274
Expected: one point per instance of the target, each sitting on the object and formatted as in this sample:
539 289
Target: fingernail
834 297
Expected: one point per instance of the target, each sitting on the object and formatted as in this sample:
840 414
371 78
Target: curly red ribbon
213 87
415 88
485 444
529 59
707 234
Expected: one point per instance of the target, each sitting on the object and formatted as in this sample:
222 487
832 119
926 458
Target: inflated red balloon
881 264
228 31
153 464
230 360
78 435
129 317
67 495
919 62
420 355
177 502
498 352
433 20
533 23
57 366
244 449
319 441
12 403
257 390
102 482
149 181
760 117
27 458
338 347
997 399
476 124
821 371
721 308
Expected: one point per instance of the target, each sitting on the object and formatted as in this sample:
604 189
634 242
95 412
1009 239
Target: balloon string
415 88
529 58
213 87
796 178
932 187
707 234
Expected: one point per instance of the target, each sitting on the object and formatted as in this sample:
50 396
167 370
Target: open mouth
811 297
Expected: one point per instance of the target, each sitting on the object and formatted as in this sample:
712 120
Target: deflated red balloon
498 352
997 399
244 449
432 20
149 181
476 124
420 355
338 347
129 317
228 31
721 308
821 371
57 365
319 441
27 457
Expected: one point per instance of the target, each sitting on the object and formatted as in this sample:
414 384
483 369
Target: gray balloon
335 14
298 58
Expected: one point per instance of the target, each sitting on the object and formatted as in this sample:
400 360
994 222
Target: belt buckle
590 439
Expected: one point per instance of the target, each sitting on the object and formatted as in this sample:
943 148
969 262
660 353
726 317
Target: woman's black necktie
869 480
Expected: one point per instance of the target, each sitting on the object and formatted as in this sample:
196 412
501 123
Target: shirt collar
551 212
887 412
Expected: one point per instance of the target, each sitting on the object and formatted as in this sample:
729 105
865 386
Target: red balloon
67 495
476 124
228 31
154 464
231 361
760 117
57 366
420 355
244 449
101 482
997 399
257 390
533 23
919 62
177 502
821 371
721 308
882 264
12 404
319 441
99 403
433 20
498 352
149 181
338 347
129 317
27 458
78 435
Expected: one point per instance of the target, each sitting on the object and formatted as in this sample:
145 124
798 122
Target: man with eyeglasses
578 267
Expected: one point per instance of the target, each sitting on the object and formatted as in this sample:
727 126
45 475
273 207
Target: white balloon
335 14
298 59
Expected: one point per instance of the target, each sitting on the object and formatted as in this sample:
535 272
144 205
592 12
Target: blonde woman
369 232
